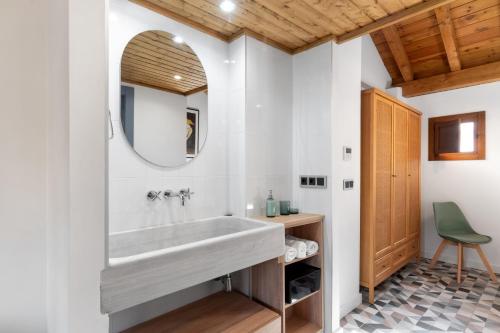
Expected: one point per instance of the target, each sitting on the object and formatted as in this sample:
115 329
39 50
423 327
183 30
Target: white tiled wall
130 177
236 126
326 111
312 87
268 125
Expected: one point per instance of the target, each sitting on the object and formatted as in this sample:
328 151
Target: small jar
285 207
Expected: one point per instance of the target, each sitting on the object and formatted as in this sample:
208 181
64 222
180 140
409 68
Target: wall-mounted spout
183 194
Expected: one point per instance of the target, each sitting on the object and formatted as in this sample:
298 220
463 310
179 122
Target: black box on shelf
301 280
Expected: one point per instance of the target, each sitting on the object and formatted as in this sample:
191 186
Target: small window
457 137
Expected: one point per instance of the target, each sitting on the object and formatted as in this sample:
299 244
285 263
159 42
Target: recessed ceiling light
178 39
227 6
177 77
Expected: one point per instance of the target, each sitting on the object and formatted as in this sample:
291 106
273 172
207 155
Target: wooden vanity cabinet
390 187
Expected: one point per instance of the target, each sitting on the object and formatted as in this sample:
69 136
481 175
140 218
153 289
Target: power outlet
348 184
319 182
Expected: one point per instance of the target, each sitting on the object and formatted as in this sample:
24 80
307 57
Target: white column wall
346 131
23 166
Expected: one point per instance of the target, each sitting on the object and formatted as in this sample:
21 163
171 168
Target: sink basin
145 264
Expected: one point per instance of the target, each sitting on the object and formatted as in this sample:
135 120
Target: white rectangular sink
145 264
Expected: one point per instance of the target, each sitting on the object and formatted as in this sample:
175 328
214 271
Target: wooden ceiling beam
453 80
445 22
398 51
393 19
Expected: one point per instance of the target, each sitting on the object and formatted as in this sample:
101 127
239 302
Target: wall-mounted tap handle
186 192
153 195
169 194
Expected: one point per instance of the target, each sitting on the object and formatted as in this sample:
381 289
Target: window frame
479 153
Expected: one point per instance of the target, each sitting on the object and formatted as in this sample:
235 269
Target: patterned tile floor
419 299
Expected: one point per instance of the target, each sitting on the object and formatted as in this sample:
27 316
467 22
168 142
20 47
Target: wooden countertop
293 220
221 312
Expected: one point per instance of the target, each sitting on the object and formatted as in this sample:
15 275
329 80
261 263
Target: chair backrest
449 219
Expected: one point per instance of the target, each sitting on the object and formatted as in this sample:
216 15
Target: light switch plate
348 184
319 182
347 153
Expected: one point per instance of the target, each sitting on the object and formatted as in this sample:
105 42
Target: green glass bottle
270 205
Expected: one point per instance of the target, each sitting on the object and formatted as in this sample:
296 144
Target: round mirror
164 99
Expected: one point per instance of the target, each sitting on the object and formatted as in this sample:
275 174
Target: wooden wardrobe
390 187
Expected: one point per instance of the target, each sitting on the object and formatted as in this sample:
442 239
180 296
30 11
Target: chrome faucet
185 193
153 195
182 194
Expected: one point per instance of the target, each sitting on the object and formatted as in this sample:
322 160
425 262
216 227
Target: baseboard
467 263
350 305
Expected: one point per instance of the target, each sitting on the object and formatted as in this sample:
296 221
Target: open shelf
301 259
287 305
296 324
220 312
268 278
303 316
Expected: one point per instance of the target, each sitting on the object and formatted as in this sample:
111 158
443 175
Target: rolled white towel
299 246
290 253
311 246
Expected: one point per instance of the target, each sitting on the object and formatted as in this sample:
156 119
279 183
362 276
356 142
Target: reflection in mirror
164 99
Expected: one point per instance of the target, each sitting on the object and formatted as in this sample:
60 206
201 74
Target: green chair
454 228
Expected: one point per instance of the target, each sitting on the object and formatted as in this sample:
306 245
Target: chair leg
438 253
486 263
460 256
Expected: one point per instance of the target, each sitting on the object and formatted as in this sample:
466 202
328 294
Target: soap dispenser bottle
270 205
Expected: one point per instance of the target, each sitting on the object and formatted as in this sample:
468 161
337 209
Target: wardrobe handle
394 176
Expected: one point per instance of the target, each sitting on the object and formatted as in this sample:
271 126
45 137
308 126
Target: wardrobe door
382 127
413 174
399 175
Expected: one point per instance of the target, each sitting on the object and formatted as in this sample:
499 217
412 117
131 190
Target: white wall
312 154
326 108
58 169
160 126
52 202
87 164
23 168
236 126
268 125
346 131
472 184
130 177
373 71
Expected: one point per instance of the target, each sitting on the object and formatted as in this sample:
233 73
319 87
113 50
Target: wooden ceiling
291 25
453 46
152 59
426 45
